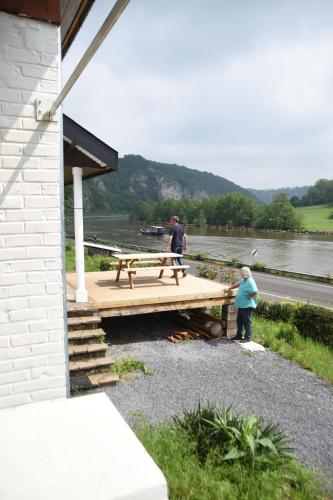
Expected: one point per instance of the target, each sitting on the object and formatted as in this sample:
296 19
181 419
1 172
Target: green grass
284 339
91 263
188 477
317 217
125 364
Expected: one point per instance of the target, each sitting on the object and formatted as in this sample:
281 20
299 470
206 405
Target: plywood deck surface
104 291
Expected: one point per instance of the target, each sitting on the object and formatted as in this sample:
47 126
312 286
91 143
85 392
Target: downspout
81 294
62 230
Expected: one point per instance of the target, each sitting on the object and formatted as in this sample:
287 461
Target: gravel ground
262 383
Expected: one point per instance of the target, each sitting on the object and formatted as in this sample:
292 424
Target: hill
139 179
266 195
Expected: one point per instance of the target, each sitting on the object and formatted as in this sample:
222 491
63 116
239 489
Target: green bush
236 261
220 433
228 275
275 311
104 264
259 266
200 256
315 322
208 272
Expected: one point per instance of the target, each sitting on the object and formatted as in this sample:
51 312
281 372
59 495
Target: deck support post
229 314
81 294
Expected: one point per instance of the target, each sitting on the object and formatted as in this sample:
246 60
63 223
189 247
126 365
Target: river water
307 253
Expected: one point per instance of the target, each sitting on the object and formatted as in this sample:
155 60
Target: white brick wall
32 346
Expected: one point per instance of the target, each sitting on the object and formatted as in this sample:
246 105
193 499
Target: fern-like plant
229 437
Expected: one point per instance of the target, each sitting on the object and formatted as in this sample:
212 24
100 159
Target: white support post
81 294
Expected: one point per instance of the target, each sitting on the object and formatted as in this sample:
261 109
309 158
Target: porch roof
83 149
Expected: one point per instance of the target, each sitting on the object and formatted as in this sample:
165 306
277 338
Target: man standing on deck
177 239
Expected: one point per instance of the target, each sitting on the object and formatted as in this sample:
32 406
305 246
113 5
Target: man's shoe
236 338
244 341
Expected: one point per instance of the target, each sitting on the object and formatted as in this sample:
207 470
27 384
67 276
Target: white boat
153 231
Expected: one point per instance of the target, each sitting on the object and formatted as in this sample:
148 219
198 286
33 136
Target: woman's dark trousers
244 320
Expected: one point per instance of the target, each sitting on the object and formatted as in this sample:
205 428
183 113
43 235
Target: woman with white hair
246 302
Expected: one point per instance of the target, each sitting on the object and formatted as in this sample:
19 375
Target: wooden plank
153 268
148 309
105 293
160 300
145 256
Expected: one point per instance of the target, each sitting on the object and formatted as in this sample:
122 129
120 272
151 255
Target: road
280 288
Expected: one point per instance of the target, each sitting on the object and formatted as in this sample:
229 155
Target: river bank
291 252
218 262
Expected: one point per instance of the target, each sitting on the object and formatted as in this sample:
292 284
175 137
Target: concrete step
84 335
90 365
100 379
75 309
83 323
78 349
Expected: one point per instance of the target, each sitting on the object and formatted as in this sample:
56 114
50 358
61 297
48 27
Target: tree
295 201
279 214
235 209
144 211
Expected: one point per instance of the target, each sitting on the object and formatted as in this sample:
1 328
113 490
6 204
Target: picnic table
158 261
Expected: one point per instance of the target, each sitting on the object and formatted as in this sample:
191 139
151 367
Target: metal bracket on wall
43 107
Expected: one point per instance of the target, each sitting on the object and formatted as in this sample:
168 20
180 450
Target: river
307 253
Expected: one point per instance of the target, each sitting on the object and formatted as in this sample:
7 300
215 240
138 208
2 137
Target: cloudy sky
240 88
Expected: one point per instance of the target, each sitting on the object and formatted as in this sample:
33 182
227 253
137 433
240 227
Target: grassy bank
283 338
317 217
91 263
209 455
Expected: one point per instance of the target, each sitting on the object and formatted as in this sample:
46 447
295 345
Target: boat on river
153 231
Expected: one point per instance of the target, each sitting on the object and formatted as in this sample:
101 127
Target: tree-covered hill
267 195
138 179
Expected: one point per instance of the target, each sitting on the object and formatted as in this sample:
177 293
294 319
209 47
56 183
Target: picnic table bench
129 263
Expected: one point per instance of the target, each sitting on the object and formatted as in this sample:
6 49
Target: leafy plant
228 274
189 479
276 311
236 261
217 312
259 266
125 365
200 256
315 322
221 432
208 272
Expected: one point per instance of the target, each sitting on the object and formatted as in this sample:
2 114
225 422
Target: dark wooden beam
44 10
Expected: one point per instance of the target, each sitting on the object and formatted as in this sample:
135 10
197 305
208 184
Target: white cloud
242 92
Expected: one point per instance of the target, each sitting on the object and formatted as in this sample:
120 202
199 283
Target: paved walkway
261 383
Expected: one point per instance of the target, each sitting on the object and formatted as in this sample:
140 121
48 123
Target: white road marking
304 282
294 300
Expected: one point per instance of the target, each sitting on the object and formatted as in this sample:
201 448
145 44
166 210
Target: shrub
200 256
236 261
275 311
217 311
259 266
228 437
208 272
228 274
104 264
315 322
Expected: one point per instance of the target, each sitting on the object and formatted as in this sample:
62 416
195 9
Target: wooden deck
150 294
